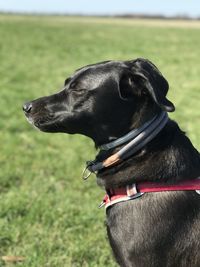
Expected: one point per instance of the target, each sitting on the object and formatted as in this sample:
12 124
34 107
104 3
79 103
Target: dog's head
103 101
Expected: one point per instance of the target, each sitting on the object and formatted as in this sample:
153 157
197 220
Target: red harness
134 191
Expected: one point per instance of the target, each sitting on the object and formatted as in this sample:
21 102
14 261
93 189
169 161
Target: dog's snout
27 107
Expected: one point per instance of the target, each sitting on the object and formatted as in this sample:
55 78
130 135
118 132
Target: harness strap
134 191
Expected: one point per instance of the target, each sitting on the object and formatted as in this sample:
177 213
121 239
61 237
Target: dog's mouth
42 121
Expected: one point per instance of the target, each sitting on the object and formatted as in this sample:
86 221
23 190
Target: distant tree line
125 16
157 16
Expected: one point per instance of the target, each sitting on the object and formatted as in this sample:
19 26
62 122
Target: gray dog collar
129 136
140 137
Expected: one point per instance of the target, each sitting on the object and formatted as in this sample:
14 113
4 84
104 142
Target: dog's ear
144 78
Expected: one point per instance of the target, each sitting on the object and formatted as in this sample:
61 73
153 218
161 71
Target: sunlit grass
47 213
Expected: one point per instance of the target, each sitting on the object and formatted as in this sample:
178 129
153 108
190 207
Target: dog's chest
147 224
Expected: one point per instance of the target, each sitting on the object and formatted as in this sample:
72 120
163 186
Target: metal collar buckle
86 172
102 204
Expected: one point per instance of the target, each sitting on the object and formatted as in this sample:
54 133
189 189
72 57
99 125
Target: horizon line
119 15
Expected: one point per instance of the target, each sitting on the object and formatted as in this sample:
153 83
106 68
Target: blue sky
165 7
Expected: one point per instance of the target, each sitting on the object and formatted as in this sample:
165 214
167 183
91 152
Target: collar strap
134 191
126 138
145 136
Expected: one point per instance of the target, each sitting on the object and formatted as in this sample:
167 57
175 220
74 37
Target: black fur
104 101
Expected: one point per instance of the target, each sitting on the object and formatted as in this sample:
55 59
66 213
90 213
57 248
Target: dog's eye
72 85
79 91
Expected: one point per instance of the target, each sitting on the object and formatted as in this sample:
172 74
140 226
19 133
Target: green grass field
47 213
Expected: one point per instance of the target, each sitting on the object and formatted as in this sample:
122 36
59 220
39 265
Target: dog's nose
27 107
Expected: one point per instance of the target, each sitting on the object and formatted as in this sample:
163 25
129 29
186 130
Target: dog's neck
136 139
136 133
135 118
157 161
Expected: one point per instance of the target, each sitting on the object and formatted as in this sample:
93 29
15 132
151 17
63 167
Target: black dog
105 101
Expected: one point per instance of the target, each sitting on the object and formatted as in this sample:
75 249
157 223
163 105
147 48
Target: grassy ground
47 213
